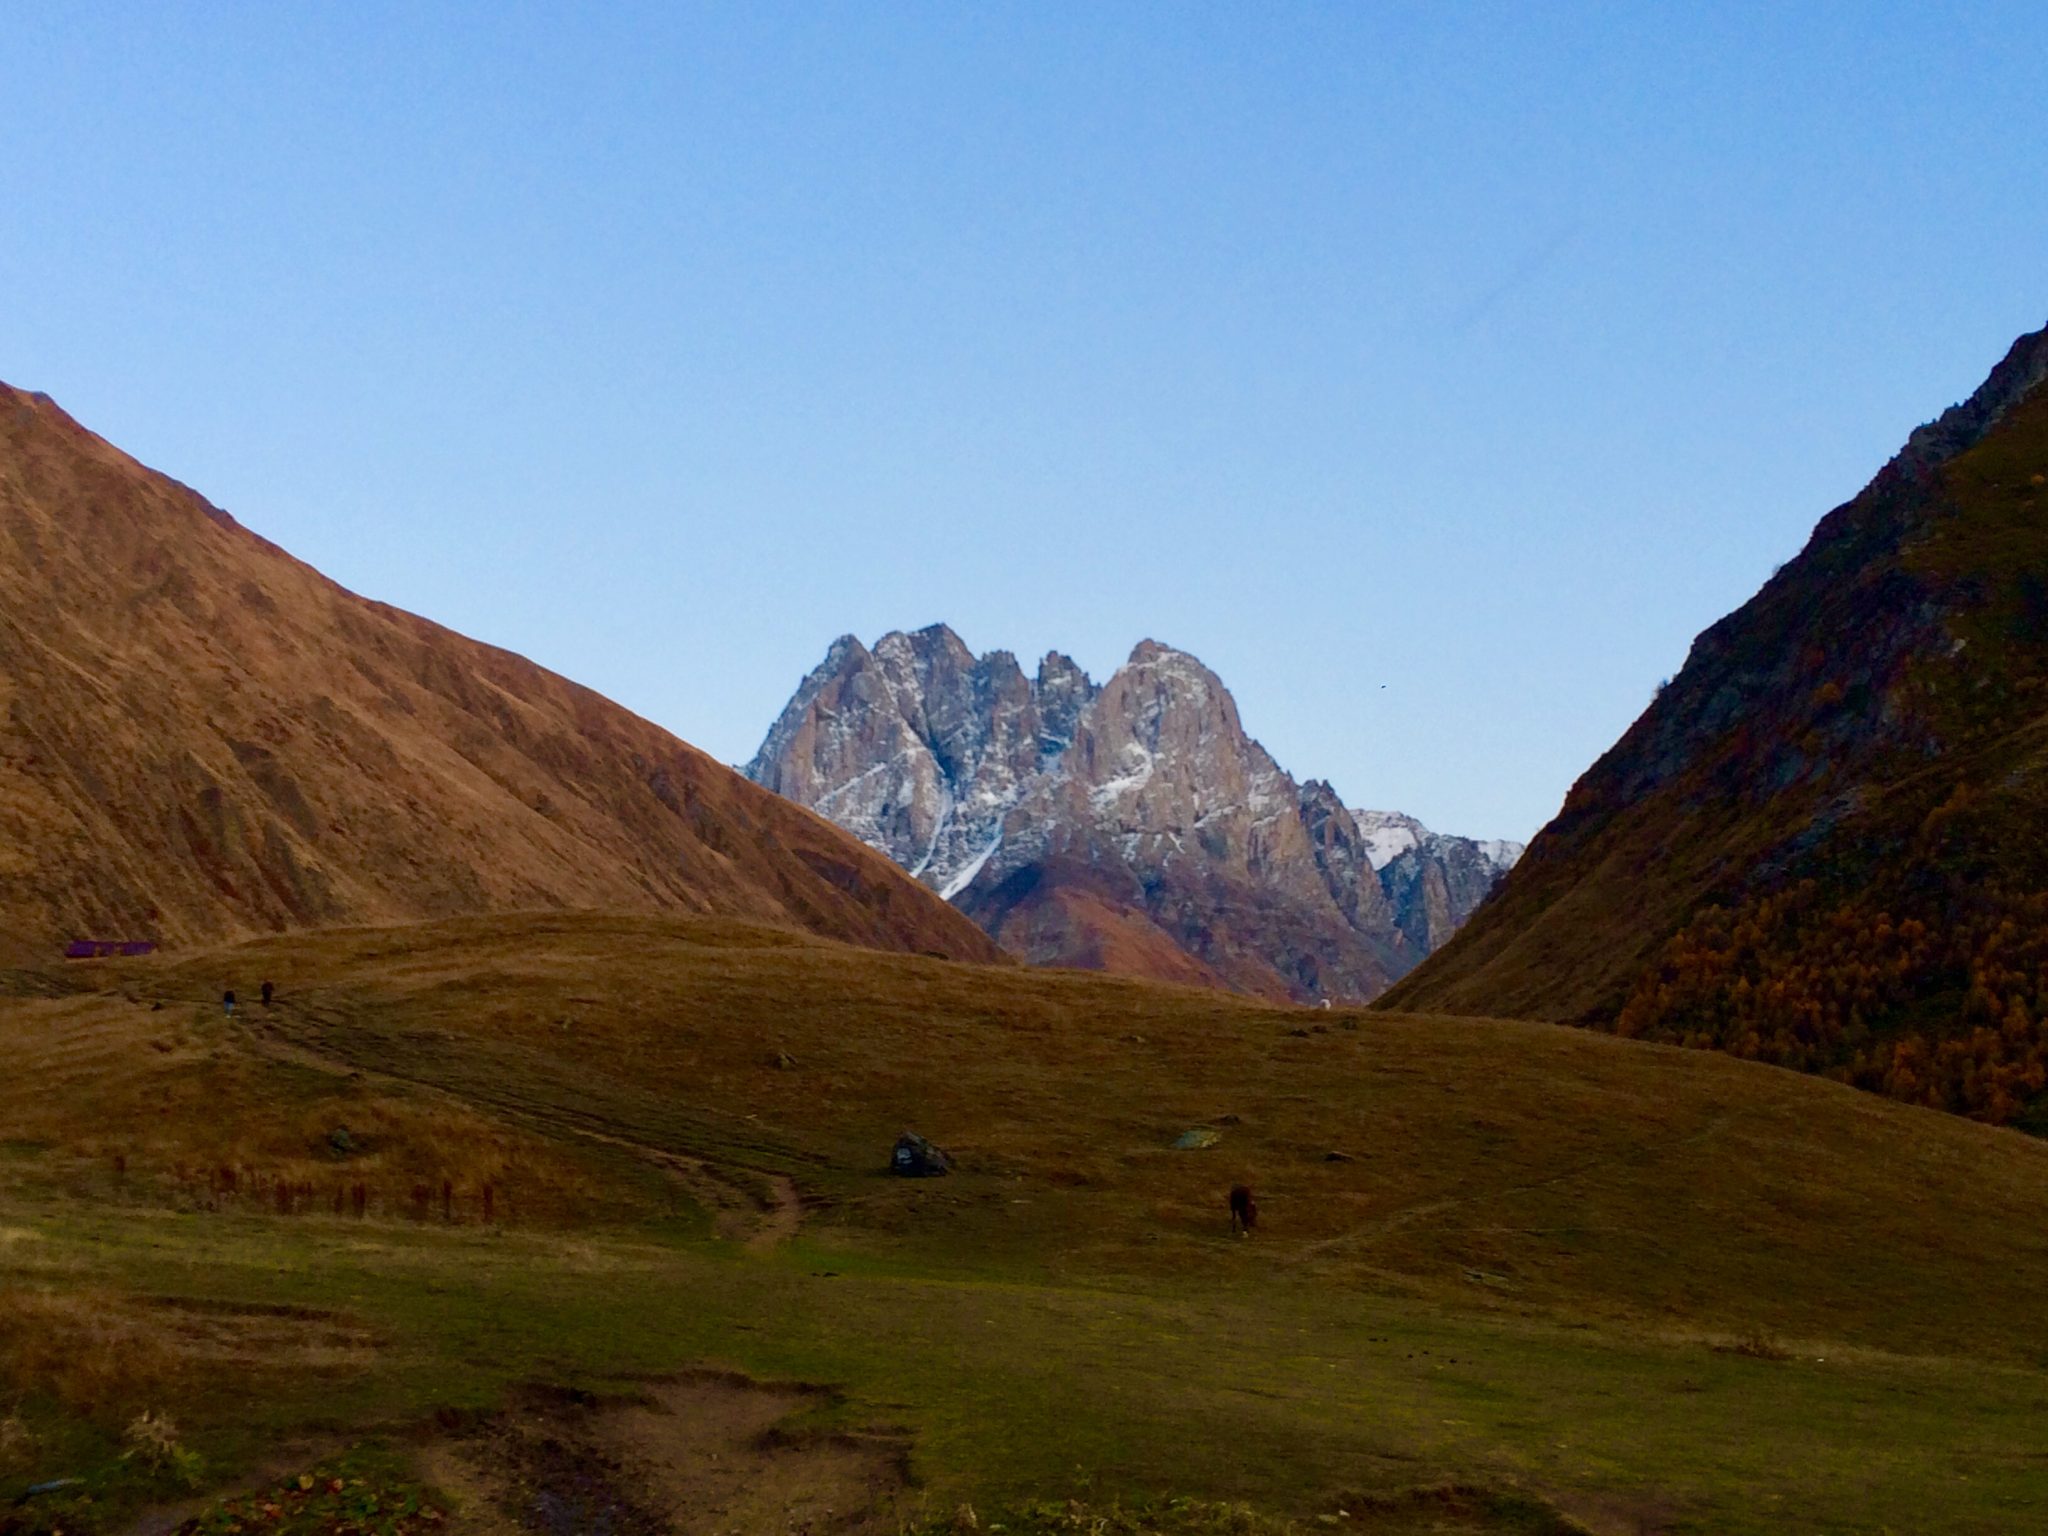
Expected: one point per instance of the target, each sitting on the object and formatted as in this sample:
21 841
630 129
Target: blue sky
1486 353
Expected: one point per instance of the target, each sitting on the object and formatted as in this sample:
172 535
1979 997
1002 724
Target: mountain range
459 1169
1130 826
1823 844
201 737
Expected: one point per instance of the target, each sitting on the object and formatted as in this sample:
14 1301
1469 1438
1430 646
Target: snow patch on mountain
1500 852
1388 835
973 867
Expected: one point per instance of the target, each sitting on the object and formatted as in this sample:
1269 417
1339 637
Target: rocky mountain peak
1148 651
840 650
1130 823
1063 691
933 647
1058 669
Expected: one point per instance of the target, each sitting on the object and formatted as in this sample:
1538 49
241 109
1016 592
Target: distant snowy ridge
1500 852
1388 834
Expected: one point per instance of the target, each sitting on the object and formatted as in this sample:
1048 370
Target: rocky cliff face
1133 826
1433 881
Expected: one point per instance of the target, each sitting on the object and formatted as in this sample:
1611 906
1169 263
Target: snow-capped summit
1388 834
1435 881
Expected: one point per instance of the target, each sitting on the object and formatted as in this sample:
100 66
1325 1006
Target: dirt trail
757 1209
707 1454
784 1214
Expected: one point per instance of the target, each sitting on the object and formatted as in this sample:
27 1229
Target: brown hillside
1823 845
202 737
1059 914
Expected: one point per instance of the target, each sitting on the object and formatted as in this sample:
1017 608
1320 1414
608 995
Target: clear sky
1433 372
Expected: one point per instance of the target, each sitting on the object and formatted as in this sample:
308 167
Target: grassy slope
1517 1279
201 737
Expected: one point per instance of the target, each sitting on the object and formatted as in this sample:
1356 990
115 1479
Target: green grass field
1592 1284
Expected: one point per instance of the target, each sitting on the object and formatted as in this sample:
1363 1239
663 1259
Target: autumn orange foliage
1943 1008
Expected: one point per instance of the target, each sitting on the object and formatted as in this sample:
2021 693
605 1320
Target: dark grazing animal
1244 1210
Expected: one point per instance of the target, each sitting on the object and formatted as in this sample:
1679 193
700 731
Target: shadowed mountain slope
1825 844
202 737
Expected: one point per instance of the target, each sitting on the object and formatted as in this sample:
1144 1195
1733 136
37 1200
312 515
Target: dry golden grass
130 1366
90 1351
1499 1164
202 736
171 1103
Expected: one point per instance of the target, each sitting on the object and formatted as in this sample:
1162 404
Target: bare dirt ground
700 1455
778 1221
706 1453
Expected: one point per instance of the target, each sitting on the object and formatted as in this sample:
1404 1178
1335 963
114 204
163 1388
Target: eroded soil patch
691 1456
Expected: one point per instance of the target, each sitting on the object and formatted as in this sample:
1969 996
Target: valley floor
581 1223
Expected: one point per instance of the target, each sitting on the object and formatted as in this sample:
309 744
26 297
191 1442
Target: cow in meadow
1244 1210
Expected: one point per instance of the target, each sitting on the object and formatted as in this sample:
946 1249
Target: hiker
268 990
1244 1210
227 1002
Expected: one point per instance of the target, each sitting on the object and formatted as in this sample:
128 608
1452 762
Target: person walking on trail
227 1002
268 989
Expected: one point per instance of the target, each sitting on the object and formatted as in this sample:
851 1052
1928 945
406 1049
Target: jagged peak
1147 779
1062 683
1389 834
845 657
932 640
839 650
1320 794
1173 665
1148 652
